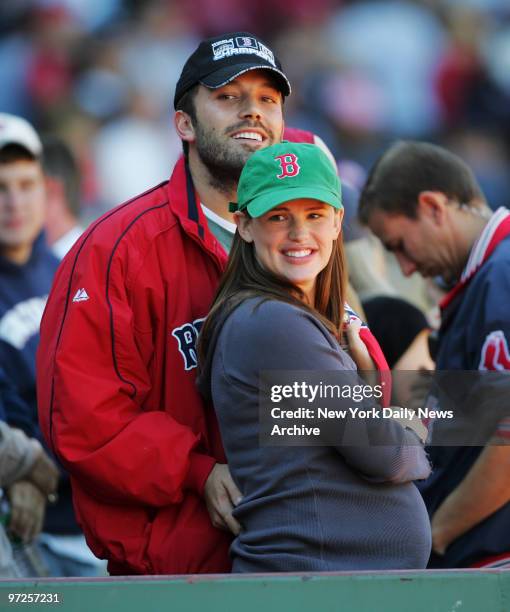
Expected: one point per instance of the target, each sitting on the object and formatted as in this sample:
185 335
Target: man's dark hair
408 168
13 153
59 163
186 104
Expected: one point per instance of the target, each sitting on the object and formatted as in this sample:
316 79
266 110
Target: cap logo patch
288 165
246 41
241 45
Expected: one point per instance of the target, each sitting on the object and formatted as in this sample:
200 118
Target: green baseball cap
283 172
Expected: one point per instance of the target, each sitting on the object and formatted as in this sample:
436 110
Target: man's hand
441 538
44 473
27 510
484 490
221 496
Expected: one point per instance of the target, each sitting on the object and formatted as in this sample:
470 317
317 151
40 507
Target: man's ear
243 223
184 126
54 189
433 204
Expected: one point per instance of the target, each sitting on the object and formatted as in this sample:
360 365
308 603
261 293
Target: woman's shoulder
271 334
270 312
268 321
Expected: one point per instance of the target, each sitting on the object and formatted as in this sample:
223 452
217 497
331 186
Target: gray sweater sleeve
273 335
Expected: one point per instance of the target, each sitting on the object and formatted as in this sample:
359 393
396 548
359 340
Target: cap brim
266 201
224 75
33 150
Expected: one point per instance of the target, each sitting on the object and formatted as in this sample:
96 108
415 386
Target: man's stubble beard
223 162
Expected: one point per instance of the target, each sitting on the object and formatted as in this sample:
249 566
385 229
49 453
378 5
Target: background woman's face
294 240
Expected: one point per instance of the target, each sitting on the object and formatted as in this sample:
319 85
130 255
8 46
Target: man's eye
315 216
270 99
226 96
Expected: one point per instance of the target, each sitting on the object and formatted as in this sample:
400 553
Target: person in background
397 324
27 267
28 479
62 195
426 206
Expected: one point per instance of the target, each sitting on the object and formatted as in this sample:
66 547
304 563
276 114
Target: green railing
425 591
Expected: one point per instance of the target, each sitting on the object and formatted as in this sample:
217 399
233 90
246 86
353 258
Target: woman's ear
243 223
338 217
184 126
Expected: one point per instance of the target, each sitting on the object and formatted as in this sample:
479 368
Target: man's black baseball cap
219 60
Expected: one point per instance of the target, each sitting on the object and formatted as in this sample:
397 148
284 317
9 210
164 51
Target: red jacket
116 383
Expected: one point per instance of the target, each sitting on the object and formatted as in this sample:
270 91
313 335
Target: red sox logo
495 353
246 41
288 164
186 336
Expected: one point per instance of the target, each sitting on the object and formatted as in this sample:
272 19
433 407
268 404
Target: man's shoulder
138 221
501 255
134 209
497 266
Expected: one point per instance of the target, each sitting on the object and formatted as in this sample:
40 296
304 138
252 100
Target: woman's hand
357 348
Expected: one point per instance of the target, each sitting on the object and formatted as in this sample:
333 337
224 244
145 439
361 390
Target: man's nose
13 198
407 266
251 108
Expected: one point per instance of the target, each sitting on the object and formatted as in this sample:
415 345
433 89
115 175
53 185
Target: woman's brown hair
245 278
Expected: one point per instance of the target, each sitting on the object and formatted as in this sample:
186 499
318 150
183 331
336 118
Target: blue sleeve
489 343
13 409
491 337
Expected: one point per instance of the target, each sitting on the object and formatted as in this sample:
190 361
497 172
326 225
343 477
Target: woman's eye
276 218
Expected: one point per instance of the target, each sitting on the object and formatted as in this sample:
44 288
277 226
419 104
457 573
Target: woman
280 307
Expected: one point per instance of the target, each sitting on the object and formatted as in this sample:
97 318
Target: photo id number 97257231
34 598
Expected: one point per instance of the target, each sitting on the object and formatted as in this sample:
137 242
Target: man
427 208
62 195
28 476
117 361
27 267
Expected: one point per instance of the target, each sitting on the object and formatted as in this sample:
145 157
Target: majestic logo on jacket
22 322
495 353
81 296
186 336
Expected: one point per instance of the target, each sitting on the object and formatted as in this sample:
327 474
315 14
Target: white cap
15 130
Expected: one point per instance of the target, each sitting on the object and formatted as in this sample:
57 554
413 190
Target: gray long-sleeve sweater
310 508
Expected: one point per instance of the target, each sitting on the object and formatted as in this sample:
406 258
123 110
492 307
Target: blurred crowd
102 75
